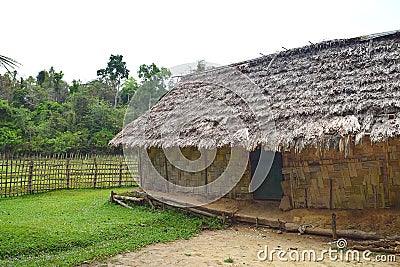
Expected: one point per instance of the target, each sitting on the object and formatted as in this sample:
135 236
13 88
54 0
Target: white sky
78 37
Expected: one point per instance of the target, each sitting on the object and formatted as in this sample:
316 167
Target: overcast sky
78 37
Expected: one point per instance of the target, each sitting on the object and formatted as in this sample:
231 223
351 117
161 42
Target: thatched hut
335 107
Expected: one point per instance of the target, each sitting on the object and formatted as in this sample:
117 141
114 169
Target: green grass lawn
69 227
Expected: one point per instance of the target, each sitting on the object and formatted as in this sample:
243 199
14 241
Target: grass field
69 227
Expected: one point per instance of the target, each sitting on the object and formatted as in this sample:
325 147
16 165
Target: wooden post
95 172
305 198
291 177
10 192
330 194
30 177
386 184
120 172
2 170
68 172
334 233
5 184
39 167
17 172
59 170
51 171
23 175
112 197
206 172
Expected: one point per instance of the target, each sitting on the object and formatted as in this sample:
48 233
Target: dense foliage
45 114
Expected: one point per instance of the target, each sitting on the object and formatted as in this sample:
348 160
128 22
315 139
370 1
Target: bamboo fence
21 175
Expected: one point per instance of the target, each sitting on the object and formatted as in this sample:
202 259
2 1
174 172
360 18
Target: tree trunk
116 95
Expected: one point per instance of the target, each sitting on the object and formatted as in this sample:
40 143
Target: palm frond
7 63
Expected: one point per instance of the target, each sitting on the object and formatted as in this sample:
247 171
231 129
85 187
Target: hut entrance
271 188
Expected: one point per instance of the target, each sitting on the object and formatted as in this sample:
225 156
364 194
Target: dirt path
240 243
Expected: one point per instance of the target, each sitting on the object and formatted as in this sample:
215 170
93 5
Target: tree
41 77
145 72
154 85
36 94
13 123
75 86
101 115
115 72
100 139
201 65
7 87
57 76
98 89
80 102
19 97
52 82
129 88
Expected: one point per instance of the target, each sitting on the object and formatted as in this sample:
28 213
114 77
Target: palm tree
7 62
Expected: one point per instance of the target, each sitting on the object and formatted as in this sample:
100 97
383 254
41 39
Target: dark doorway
270 188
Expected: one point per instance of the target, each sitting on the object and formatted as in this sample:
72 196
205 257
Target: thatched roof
320 94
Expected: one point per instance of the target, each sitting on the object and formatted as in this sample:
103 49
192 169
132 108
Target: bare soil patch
239 243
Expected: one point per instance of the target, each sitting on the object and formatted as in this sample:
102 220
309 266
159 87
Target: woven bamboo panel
369 177
193 179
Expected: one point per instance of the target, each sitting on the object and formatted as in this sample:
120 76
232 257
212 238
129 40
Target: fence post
95 172
120 171
30 177
67 172
6 180
334 233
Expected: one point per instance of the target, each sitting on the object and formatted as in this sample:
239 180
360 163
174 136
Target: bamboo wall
368 177
192 179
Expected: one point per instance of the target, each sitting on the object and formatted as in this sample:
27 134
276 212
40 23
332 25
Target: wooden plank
374 176
352 169
324 172
346 178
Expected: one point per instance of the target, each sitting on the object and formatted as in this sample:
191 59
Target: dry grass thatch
321 94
